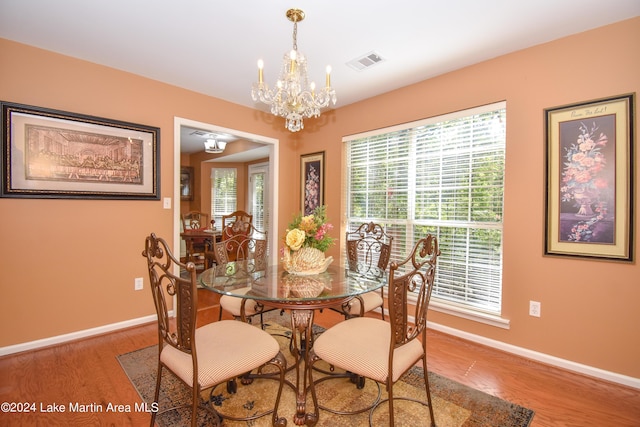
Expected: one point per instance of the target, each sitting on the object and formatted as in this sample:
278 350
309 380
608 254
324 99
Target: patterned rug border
485 410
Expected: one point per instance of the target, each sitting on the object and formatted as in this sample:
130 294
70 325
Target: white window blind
259 195
444 176
257 200
223 193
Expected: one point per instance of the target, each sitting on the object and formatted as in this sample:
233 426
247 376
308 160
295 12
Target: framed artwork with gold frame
589 202
311 181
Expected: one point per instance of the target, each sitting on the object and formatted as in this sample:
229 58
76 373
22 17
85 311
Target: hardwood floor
87 372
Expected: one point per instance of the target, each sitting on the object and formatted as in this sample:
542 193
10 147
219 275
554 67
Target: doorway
270 177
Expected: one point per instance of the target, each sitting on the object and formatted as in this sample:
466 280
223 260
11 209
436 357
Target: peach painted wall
590 309
69 265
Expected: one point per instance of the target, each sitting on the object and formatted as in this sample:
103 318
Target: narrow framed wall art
312 181
186 183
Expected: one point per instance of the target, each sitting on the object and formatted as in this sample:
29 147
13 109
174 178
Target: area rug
455 405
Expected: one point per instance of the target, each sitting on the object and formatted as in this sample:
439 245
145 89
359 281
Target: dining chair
232 234
245 243
203 357
384 351
236 216
368 246
195 221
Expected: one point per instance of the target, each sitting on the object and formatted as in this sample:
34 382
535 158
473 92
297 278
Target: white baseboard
520 351
45 342
540 357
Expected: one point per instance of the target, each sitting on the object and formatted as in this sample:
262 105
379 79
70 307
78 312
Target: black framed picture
312 181
56 154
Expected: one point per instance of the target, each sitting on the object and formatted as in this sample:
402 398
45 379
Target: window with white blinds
223 193
443 176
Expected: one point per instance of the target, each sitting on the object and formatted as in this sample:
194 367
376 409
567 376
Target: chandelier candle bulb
292 55
260 68
328 76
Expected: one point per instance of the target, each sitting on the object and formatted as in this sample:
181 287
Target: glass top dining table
273 285
301 295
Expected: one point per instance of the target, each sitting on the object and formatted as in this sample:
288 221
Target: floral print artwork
587 188
311 187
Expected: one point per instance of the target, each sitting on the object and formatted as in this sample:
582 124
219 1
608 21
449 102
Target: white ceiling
192 141
212 47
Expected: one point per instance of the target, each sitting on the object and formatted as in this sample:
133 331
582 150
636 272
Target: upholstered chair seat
361 344
225 350
372 300
233 304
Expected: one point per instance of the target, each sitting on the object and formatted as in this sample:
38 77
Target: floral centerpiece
582 180
306 240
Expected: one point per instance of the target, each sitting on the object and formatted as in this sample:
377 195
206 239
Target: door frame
273 144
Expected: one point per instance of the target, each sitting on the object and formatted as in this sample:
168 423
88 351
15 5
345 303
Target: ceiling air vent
366 61
200 133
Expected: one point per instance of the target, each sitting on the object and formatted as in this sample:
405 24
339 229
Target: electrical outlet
138 283
534 308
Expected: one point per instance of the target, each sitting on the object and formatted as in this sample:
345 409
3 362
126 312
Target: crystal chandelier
294 98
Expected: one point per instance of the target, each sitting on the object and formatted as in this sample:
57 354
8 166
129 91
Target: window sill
476 316
465 313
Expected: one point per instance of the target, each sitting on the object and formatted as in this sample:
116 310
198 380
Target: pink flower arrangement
584 162
309 231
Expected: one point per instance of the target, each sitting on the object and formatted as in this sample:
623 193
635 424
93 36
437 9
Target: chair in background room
380 350
368 246
194 354
193 222
236 216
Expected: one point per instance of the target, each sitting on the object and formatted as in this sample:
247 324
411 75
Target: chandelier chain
293 97
295 36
